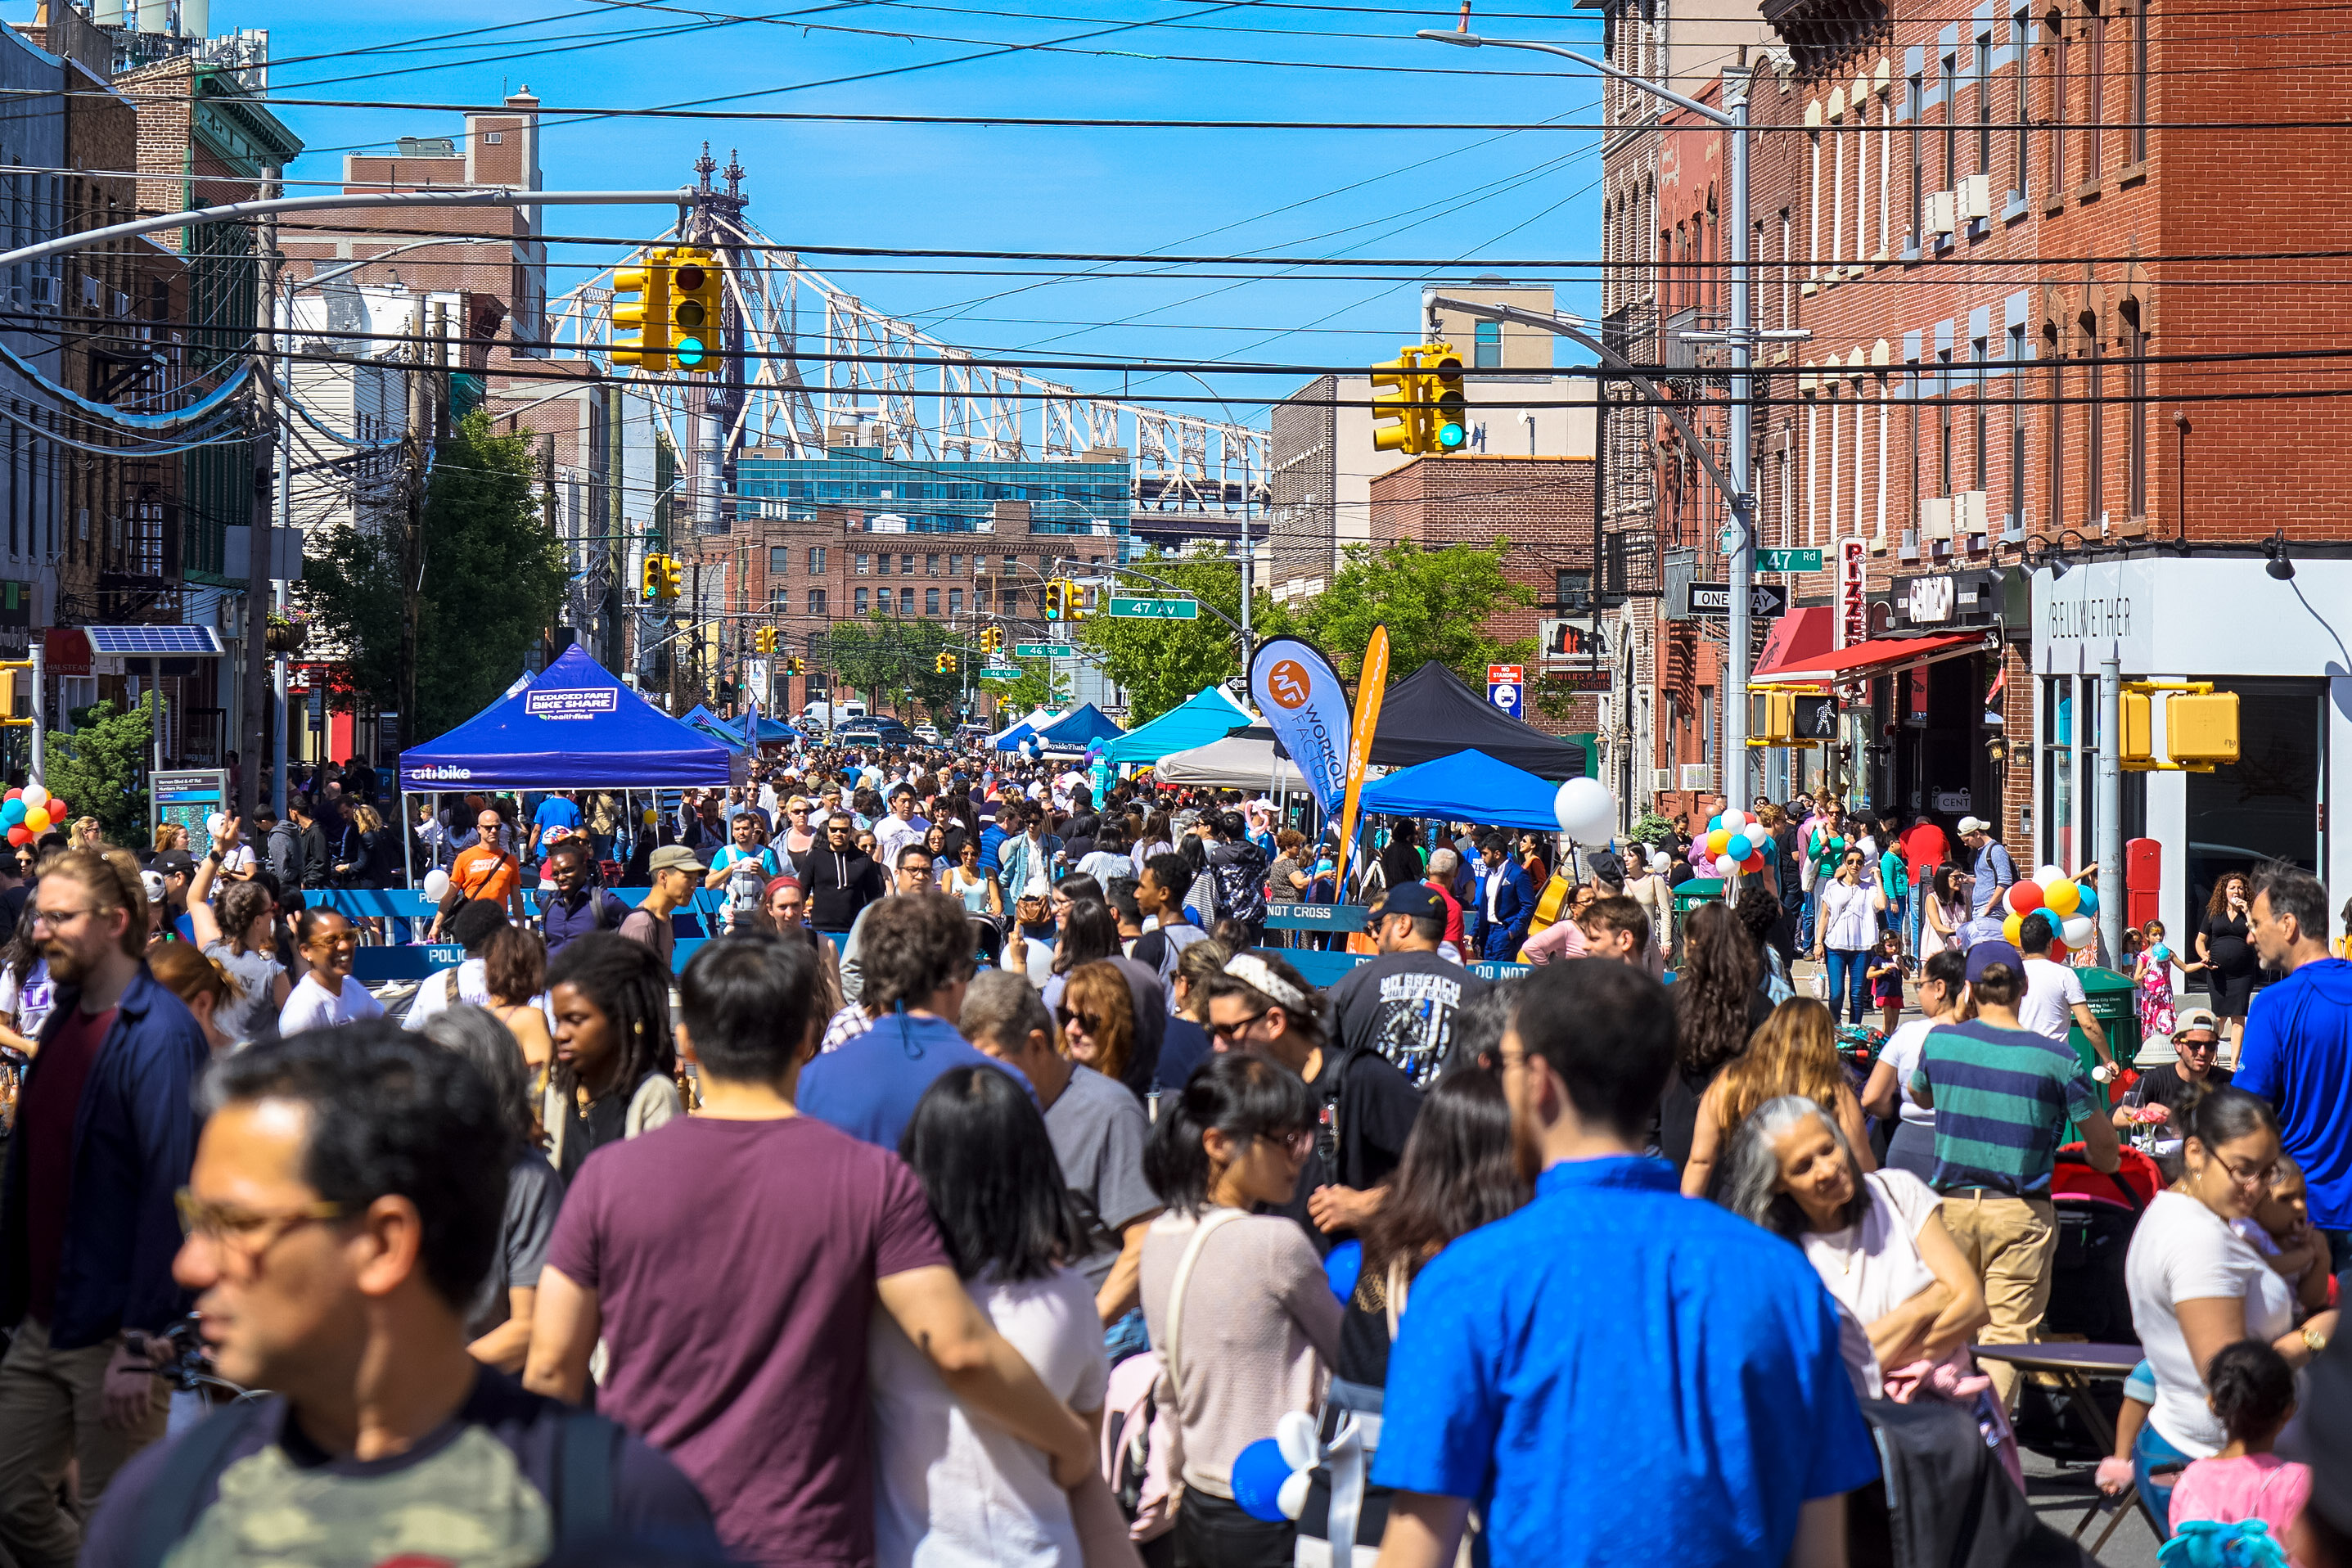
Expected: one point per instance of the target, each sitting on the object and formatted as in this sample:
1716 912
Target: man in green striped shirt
2003 1096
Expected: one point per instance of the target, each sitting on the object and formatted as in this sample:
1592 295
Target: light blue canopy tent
1468 787
1209 715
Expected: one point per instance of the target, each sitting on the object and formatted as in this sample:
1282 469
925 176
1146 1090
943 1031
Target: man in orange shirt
483 871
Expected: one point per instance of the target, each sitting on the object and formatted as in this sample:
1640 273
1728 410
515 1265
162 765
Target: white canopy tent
1237 761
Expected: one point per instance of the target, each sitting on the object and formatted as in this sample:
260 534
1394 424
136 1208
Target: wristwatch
2313 1340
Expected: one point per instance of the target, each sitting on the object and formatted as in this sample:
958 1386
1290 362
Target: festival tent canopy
1209 715
1077 729
1247 760
1468 787
574 726
1431 714
774 730
1009 739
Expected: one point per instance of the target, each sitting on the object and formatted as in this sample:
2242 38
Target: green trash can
2112 1001
1691 895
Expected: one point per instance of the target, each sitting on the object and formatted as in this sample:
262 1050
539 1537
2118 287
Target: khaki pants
2011 1244
52 1404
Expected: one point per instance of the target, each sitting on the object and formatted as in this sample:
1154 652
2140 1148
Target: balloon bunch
30 812
1733 842
2059 901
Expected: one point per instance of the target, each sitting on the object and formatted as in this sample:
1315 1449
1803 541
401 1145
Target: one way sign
1766 601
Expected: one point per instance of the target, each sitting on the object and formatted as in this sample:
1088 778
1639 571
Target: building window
1788 277
1984 105
861 600
1571 591
1012 564
2056 23
905 566
955 565
2140 84
2017 35
883 603
1008 601
1944 421
931 601
979 595
955 601
1951 123
2056 505
1977 358
1486 350
2096 445
780 560
2135 410
2017 428
2095 82
816 602
865 565
931 565
780 601
816 561
1918 167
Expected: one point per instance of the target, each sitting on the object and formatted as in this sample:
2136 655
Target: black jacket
837 884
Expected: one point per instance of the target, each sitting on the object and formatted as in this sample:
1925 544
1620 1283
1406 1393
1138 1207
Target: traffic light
1450 429
1074 602
664 579
992 638
647 347
2200 729
765 639
16 693
650 588
945 664
797 664
1771 718
1402 403
2136 732
694 309
1056 599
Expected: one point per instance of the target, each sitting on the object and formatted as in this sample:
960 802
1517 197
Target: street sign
1043 650
1155 609
1583 679
1787 560
1505 673
999 672
1713 600
1505 695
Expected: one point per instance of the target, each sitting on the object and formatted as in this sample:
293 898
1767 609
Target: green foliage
1434 603
895 662
1653 829
1163 663
494 581
1026 695
100 768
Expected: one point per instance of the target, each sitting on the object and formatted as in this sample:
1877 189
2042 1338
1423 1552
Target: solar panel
154 642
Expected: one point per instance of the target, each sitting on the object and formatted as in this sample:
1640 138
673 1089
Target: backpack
1240 878
1142 1452
580 1512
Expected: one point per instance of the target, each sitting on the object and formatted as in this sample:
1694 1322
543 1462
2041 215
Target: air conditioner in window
1662 778
1975 197
1969 512
45 293
1908 550
1698 775
1935 517
120 303
1940 210
90 292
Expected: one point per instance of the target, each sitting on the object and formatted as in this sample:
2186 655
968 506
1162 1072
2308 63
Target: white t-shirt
951 1490
31 1003
1901 1052
312 1007
1874 1266
2183 1252
445 989
2051 993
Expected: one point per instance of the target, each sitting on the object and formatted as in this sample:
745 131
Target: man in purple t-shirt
731 1262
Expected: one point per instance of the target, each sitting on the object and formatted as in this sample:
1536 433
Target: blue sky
1329 193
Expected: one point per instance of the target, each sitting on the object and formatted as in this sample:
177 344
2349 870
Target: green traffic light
1450 436
688 351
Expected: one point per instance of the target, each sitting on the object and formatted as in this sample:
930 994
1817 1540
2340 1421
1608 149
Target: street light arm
1472 40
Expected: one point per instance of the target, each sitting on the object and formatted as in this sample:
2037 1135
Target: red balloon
58 810
20 833
2024 898
2057 952
12 794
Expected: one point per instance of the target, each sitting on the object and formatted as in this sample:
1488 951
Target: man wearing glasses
2197 1043
105 1130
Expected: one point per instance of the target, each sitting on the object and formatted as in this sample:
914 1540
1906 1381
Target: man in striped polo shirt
2003 1096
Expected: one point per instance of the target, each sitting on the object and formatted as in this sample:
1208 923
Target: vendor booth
1247 760
1209 715
1431 714
1077 730
1468 787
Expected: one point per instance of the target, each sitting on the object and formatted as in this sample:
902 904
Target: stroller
2096 1214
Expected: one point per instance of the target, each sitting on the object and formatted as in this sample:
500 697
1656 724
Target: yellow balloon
2063 896
1717 840
37 821
2012 929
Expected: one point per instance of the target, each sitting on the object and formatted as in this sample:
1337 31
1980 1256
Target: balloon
1584 811
2024 898
1717 841
2086 899
13 795
2062 896
17 834
58 810
2012 929
1715 822
1259 1472
1754 862
37 820
1736 820
1739 846
2049 874
34 795
2079 931
12 812
2057 952
436 885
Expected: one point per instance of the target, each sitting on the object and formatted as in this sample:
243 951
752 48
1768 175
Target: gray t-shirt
534 1195
252 1013
1098 1132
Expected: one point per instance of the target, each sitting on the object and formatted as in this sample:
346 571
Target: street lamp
1740 340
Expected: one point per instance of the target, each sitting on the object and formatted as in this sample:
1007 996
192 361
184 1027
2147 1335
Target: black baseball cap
1415 898
173 862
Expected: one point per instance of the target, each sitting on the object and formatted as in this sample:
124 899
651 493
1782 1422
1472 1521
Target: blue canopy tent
1209 715
717 731
1468 787
775 731
575 726
1009 739
1078 729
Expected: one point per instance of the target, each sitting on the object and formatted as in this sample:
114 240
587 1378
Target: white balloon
1584 811
33 796
2049 874
436 885
1733 821
2078 932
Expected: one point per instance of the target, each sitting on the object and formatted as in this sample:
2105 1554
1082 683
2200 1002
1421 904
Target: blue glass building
908 496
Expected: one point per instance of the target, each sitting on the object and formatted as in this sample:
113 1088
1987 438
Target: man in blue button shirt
1615 1374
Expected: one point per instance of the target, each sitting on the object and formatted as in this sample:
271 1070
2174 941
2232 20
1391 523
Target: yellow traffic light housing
763 639
1450 425
2136 737
945 664
695 310
1771 718
1074 602
1055 599
649 588
647 345
1401 402
2200 729
16 694
664 580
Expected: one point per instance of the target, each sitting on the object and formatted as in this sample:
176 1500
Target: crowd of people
984 1188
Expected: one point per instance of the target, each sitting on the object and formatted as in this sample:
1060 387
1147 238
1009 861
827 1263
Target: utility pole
1740 422
412 536
2112 902
616 550
259 514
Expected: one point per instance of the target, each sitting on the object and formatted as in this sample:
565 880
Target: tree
1163 663
494 581
100 768
1027 694
1434 603
885 655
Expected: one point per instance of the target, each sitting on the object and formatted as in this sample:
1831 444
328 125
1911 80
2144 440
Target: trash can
2111 999
1691 895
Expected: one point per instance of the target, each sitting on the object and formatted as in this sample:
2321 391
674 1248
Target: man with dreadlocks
615 1062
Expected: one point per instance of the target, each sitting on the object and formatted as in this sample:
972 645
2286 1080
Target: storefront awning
1864 660
1801 637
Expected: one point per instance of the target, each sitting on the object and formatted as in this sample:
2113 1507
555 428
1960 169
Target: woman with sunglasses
1237 1302
1846 929
799 837
2198 1285
783 912
326 995
978 888
1097 1013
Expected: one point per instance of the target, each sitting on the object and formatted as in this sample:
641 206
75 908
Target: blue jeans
1849 975
1805 917
2150 1451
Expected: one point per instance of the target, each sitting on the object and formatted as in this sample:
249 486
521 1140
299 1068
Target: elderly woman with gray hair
1877 1243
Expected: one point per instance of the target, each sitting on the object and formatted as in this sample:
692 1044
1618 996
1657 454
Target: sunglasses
1086 1021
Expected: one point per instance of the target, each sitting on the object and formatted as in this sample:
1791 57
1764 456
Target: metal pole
2111 803
40 653
260 511
1249 580
1741 440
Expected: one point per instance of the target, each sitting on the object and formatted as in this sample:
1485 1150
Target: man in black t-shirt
2196 1042
1400 1006
344 1207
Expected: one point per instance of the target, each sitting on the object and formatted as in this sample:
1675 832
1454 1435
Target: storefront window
2058 768
2262 805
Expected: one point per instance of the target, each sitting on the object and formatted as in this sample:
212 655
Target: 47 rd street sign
1123 609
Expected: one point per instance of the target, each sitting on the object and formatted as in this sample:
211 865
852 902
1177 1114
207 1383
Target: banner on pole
1371 684
1307 708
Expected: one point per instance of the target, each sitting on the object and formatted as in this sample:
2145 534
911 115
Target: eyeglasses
1297 1141
1090 1024
58 920
1229 1033
248 1231
2199 1048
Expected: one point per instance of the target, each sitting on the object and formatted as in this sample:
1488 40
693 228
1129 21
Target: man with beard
106 1132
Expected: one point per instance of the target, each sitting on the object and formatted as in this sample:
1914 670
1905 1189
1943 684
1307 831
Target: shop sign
1952 800
1853 582
1929 600
2110 607
68 651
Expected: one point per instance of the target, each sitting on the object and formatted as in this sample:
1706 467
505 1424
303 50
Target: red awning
1802 637
1861 661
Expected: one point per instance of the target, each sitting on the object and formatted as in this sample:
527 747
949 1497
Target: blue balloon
1740 846
12 812
1715 822
2086 904
1259 1471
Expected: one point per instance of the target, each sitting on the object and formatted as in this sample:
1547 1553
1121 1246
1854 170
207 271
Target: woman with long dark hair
615 1059
239 930
1717 1007
1794 1053
951 1491
1237 1302
2225 947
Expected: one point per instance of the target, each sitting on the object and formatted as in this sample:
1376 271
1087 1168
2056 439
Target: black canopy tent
1431 714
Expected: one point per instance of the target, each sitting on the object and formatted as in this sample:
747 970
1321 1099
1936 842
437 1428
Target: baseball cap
1985 955
173 862
1974 825
1415 898
152 884
2193 1019
1606 866
673 858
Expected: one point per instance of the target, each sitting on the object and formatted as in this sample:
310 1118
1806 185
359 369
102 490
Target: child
1885 977
2151 973
2114 1472
2252 1390
2280 1229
